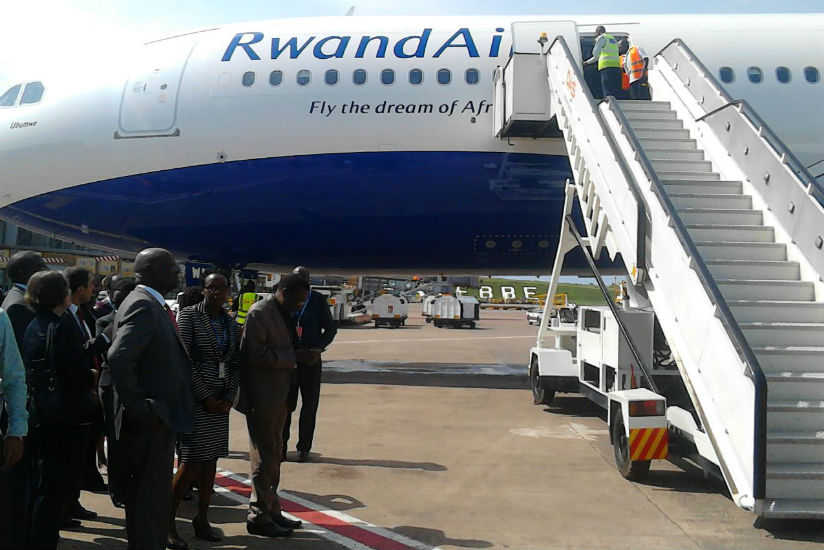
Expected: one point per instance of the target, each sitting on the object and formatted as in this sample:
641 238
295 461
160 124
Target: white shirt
157 296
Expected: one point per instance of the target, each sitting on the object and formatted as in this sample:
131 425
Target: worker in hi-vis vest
245 300
605 52
636 64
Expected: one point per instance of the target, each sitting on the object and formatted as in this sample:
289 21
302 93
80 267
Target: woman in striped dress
211 338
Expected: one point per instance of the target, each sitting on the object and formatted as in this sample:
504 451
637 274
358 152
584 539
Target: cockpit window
10 97
32 94
727 74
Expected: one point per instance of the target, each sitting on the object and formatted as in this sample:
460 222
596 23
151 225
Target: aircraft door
149 106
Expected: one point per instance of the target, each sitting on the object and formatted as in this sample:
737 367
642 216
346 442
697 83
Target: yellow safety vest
247 299
609 53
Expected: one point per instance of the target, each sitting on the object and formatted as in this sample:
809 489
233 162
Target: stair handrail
813 187
751 364
634 186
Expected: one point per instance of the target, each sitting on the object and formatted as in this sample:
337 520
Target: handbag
51 402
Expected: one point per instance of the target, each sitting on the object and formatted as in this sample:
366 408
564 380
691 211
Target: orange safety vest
624 76
636 64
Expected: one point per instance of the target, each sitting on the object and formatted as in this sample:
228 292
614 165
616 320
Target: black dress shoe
282 521
205 531
270 529
68 523
176 543
78 512
303 456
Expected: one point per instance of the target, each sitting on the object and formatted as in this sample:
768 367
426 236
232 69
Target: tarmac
428 438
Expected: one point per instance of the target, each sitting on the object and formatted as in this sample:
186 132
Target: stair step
644 116
794 487
792 418
712 215
779 311
704 187
796 383
675 154
741 251
736 289
668 143
789 470
793 508
644 133
742 269
785 360
796 438
638 105
675 165
726 233
653 124
699 200
667 176
783 334
797 406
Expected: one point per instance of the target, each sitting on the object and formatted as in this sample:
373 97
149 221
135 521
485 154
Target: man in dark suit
20 268
315 330
119 289
152 378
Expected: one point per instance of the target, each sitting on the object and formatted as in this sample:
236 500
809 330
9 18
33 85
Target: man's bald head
156 268
302 271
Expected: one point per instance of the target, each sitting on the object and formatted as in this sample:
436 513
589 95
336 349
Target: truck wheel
634 470
472 324
540 395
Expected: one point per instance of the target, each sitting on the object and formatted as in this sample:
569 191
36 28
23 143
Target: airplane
348 144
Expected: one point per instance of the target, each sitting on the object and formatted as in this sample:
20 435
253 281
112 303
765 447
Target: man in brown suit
268 362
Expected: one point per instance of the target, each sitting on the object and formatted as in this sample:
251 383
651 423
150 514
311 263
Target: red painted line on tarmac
319 518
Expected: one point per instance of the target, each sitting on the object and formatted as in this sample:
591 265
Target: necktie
171 315
83 326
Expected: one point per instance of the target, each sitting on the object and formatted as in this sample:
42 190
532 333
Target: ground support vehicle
450 311
389 310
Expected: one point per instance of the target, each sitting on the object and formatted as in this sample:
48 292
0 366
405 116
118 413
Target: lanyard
306 303
221 336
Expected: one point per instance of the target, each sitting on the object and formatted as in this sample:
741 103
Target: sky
50 35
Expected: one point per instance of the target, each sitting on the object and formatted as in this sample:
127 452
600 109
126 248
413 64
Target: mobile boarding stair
721 229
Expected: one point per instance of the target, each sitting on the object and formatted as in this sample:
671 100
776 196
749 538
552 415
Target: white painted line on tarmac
362 535
418 340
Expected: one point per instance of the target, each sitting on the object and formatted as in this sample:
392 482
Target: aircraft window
331 77
359 77
388 76
472 76
783 74
727 74
10 97
810 73
32 94
755 75
415 76
304 76
248 78
276 78
444 76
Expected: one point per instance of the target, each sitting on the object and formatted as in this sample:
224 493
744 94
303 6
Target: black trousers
147 489
59 452
611 82
113 456
16 489
640 89
307 381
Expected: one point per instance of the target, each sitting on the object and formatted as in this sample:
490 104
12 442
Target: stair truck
719 229
389 310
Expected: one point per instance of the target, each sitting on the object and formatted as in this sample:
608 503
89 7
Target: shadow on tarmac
808 530
436 537
575 405
395 464
338 503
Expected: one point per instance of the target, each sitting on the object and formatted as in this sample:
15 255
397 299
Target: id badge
221 371
300 331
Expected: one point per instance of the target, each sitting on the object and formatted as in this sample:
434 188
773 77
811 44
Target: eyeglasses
216 288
